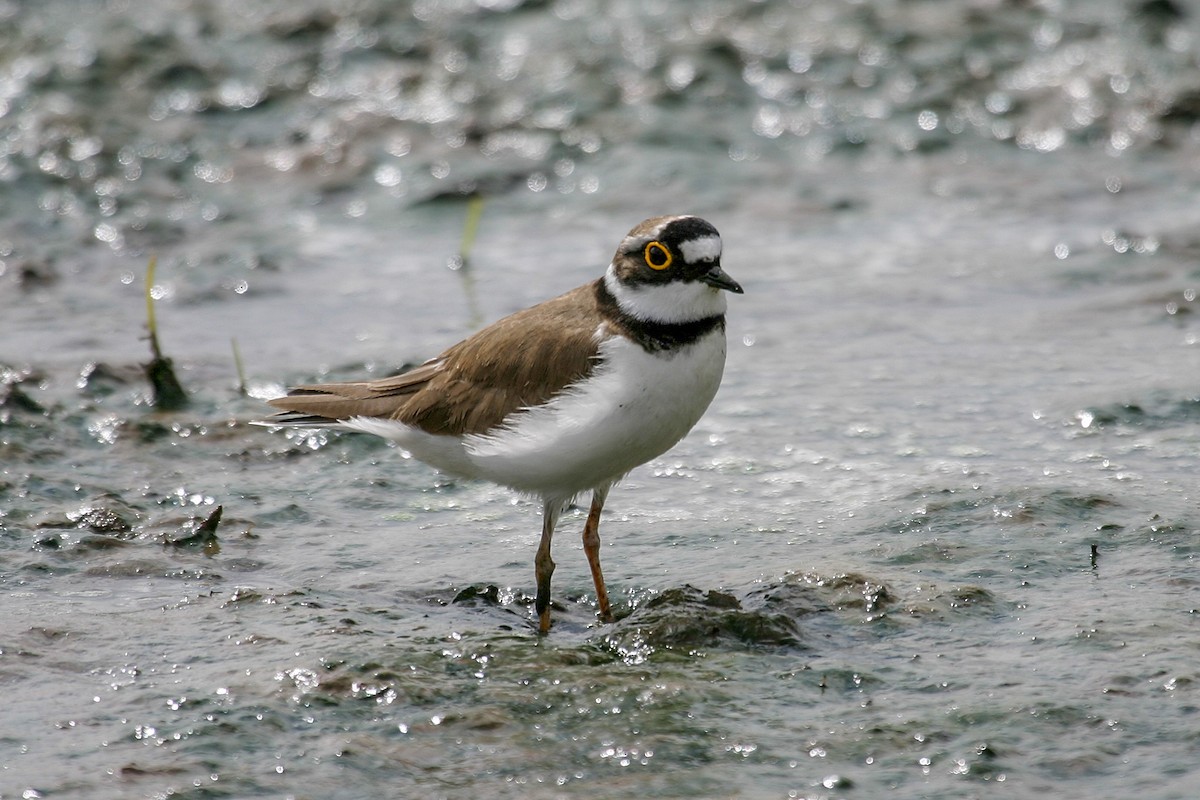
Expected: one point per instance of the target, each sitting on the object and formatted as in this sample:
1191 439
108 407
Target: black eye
658 256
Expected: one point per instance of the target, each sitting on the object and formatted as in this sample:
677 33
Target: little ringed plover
565 397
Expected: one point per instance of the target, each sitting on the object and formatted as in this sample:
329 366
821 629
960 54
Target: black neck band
654 337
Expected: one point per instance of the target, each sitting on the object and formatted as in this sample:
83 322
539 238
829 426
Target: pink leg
544 565
591 547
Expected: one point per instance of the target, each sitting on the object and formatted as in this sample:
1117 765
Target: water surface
936 537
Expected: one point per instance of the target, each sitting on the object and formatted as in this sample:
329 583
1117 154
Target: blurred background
229 138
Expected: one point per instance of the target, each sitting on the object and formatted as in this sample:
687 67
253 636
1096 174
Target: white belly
634 407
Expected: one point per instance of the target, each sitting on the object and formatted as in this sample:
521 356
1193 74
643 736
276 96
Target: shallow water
936 537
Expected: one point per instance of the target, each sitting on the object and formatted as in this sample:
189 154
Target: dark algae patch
166 390
687 619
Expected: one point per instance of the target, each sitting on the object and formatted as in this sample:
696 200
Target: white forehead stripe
706 248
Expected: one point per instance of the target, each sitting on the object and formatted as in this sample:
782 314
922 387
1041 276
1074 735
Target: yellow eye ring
658 256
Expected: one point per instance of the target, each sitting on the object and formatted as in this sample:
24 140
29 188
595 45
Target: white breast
634 407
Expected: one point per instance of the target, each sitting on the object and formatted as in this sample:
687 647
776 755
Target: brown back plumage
474 385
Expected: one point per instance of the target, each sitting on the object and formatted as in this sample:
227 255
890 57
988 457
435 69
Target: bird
565 397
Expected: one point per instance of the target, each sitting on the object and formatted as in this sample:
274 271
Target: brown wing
522 360
329 402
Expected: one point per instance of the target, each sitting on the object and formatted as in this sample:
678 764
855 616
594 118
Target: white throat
674 302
